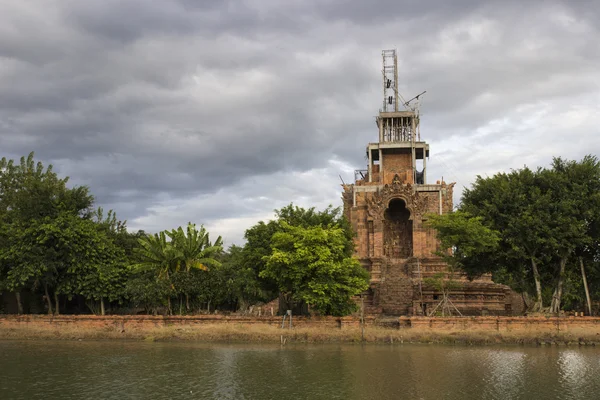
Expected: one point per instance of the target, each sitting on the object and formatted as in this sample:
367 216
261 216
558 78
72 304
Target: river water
184 370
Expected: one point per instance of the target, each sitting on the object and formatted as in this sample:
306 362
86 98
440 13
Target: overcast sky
219 112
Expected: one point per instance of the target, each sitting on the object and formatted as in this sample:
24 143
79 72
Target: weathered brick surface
396 292
397 164
590 325
132 322
390 243
534 325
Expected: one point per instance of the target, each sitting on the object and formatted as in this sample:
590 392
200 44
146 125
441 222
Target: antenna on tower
415 107
390 80
391 95
415 98
397 125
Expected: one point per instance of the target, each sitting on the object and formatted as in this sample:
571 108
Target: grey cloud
155 105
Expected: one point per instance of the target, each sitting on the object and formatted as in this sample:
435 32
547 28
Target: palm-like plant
195 250
194 247
169 252
157 254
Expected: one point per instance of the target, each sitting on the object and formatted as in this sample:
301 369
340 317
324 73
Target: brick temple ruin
388 206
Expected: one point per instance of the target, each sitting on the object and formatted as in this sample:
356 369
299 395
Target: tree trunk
524 301
19 303
48 299
187 302
557 296
56 303
169 306
208 306
102 306
538 287
585 286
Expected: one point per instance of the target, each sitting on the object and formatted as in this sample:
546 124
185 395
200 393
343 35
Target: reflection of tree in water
397 230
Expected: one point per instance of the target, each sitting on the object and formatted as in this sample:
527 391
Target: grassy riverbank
258 333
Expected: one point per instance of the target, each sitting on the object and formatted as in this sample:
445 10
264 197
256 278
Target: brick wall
150 322
505 324
591 325
400 164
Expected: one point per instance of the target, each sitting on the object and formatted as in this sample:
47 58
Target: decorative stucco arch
380 200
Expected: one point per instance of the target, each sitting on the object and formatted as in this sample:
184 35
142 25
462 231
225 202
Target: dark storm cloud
220 111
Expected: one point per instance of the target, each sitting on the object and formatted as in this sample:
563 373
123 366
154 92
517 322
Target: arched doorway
397 233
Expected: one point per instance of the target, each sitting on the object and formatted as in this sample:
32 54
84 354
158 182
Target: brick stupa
387 207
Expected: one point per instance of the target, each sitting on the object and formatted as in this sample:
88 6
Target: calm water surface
137 370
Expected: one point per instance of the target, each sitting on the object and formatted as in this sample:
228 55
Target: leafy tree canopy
259 239
543 220
310 264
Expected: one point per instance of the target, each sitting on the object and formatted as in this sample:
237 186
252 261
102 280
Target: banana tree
195 250
157 254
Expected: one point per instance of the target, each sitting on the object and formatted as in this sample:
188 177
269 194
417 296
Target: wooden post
362 318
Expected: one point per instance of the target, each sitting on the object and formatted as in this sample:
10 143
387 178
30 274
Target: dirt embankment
456 330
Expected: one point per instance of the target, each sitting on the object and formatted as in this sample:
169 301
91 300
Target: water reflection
505 374
575 370
112 370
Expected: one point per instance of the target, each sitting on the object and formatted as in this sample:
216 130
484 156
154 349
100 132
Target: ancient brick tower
387 207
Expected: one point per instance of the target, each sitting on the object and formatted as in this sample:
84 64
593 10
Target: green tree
194 247
144 290
195 251
575 190
67 255
185 251
311 265
257 247
330 216
465 244
156 254
33 200
514 205
463 238
546 219
259 238
242 287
